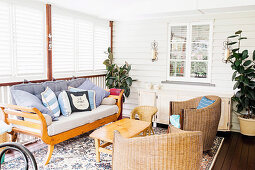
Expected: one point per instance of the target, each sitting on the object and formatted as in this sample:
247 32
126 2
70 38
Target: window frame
188 60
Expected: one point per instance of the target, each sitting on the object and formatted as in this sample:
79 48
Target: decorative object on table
85 158
244 77
144 113
117 77
154 47
167 151
27 155
205 119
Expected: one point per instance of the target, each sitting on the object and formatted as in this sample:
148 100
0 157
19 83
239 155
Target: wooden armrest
26 112
119 100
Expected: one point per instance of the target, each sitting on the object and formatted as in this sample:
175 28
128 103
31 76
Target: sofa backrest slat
22 114
24 123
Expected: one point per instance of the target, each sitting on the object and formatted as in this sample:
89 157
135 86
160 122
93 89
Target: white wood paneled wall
132 43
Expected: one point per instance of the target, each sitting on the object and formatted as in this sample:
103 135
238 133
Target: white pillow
109 101
64 104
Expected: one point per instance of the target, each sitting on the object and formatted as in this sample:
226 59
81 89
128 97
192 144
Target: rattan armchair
178 150
145 113
205 120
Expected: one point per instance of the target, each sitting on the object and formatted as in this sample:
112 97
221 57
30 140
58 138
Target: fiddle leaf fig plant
244 77
117 77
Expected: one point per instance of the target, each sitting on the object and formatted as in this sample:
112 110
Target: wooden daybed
41 126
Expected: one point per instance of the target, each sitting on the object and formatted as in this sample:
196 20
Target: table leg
97 145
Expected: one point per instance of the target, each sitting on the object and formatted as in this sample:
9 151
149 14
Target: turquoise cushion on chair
175 121
204 102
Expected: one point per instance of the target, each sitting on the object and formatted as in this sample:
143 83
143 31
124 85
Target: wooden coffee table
128 128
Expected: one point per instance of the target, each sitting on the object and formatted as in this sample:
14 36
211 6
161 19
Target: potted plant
117 77
244 77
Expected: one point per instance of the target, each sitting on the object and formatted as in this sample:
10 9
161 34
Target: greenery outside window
190 52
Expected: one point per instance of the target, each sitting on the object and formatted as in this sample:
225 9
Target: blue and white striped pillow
50 101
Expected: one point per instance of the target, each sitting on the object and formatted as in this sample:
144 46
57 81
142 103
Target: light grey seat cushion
77 119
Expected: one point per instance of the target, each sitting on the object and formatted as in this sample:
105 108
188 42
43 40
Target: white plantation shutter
22 41
84 45
63 49
29 37
101 44
5 40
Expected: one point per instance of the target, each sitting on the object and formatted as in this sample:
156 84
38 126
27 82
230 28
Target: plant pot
247 126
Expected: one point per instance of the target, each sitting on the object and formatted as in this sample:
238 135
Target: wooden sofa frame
35 114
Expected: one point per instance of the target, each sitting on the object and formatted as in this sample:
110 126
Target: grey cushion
76 82
56 86
33 88
23 98
77 119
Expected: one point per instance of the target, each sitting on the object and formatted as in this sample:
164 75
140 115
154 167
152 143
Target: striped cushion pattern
50 101
204 102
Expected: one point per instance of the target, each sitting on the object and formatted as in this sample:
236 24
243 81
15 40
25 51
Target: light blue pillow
175 121
64 104
23 98
5 128
100 92
50 101
204 102
91 93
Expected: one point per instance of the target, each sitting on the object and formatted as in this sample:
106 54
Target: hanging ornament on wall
227 51
154 46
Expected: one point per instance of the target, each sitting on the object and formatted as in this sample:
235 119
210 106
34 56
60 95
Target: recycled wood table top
128 128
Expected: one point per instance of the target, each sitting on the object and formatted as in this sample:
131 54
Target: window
79 44
22 41
190 52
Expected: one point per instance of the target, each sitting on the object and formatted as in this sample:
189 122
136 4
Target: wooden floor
237 152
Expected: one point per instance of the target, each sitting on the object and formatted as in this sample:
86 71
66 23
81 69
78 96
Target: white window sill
188 83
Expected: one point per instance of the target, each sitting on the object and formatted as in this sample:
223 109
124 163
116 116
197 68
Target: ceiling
141 9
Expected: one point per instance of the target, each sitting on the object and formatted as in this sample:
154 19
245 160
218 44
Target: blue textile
50 101
100 92
4 128
23 98
175 121
64 104
56 86
204 102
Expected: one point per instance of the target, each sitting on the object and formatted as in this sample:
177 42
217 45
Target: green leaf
245 54
253 55
231 43
236 85
129 81
242 38
106 62
232 36
234 75
235 49
238 62
238 32
246 63
109 50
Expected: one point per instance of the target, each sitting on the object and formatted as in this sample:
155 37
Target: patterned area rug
79 153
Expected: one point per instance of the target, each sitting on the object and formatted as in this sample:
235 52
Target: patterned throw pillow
50 101
91 93
64 104
79 101
175 121
204 102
